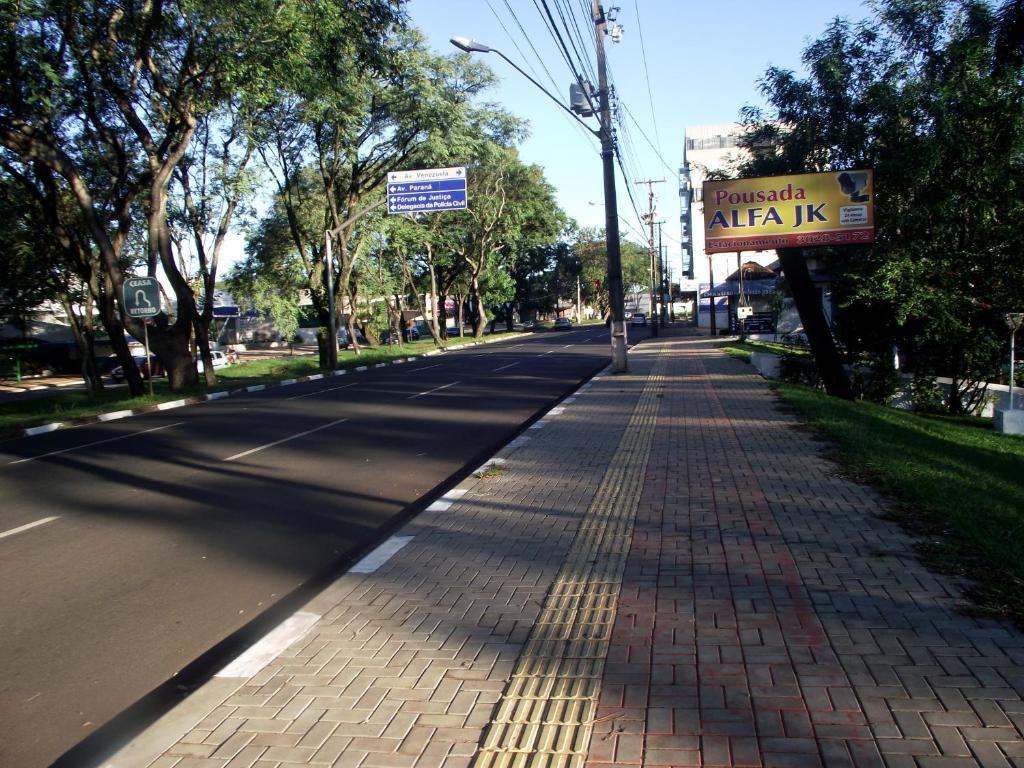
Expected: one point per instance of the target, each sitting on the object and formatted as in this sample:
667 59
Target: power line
526 37
647 76
648 140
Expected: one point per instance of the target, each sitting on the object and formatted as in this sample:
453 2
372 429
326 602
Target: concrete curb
126 413
147 747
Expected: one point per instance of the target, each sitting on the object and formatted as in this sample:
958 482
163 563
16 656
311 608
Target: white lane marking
424 368
504 367
257 656
557 411
519 442
284 440
97 442
550 351
569 400
321 391
381 554
539 424
27 526
568 345
442 504
430 391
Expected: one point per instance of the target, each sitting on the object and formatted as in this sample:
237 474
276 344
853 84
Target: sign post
141 299
427 190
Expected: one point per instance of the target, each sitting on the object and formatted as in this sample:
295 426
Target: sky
679 63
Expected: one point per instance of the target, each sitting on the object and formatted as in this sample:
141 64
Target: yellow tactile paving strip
545 717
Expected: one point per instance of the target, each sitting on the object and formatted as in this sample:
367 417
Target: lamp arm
547 93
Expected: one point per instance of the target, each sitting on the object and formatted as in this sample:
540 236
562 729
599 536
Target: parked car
154 364
344 342
639 319
220 360
563 324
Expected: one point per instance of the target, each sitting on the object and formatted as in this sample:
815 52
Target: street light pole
332 325
611 210
1014 320
607 138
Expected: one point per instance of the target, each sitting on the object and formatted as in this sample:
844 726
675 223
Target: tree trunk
81 329
441 312
480 318
202 328
812 316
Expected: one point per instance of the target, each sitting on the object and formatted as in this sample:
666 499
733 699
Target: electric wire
529 41
647 75
657 152
526 59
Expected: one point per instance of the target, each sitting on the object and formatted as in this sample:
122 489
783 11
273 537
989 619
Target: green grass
742 350
955 480
69 406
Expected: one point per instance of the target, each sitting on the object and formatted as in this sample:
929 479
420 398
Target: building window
713 142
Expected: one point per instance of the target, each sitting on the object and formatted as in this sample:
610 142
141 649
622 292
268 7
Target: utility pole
611 210
649 220
662 285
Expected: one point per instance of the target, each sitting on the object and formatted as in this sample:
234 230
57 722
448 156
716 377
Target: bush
799 369
926 396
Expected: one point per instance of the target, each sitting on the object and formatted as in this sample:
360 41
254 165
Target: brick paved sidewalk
665 572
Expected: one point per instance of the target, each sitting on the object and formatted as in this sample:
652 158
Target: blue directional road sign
141 297
426 190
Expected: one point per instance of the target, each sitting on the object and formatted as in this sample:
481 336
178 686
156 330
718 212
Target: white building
708 148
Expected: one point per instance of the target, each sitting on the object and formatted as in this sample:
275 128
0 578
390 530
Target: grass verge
76 405
957 483
742 350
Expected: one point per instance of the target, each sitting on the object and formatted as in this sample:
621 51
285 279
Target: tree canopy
930 94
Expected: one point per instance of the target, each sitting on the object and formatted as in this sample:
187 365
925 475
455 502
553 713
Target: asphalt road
129 550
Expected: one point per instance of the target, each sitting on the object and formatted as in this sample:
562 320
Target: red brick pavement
769 617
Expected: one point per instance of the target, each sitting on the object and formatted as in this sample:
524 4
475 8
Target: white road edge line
284 440
321 391
257 656
373 561
445 502
27 526
429 391
424 368
98 442
504 367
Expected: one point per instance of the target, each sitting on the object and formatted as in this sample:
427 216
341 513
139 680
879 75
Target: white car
220 360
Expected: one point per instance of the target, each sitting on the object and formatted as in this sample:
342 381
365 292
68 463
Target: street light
1014 320
605 135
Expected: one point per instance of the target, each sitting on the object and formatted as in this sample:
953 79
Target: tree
912 93
357 128
108 95
513 208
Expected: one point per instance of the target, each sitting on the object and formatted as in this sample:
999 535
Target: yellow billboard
801 211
